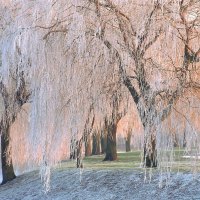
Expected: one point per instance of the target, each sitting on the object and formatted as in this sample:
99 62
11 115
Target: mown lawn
133 160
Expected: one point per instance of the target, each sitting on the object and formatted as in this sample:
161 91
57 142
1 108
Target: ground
101 185
103 182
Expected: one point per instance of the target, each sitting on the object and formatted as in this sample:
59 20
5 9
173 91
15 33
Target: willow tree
12 103
160 44
46 43
14 94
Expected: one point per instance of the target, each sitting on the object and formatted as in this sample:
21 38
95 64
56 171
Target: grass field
133 160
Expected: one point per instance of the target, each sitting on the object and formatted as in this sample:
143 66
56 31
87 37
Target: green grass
132 160
125 161
184 164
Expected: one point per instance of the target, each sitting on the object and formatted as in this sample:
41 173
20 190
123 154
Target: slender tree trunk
7 167
150 156
88 146
128 142
79 163
184 139
96 144
73 146
175 141
103 143
111 150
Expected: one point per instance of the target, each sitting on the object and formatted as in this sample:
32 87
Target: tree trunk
73 146
111 150
184 140
175 141
128 142
79 163
88 146
150 156
103 143
96 144
7 167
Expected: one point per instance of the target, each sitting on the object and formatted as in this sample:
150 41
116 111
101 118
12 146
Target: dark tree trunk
76 152
103 143
128 143
111 150
150 157
73 147
88 146
79 163
17 100
175 141
184 140
7 167
96 144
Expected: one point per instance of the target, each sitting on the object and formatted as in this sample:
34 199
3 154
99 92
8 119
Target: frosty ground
107 184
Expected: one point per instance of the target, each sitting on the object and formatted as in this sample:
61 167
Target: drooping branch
147 27
126 80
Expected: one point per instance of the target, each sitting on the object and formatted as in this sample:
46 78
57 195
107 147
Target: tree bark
128 142
88 146
103 143
7 167
150 156
111 150
73 145
79 163
184 139
96 144
176 144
